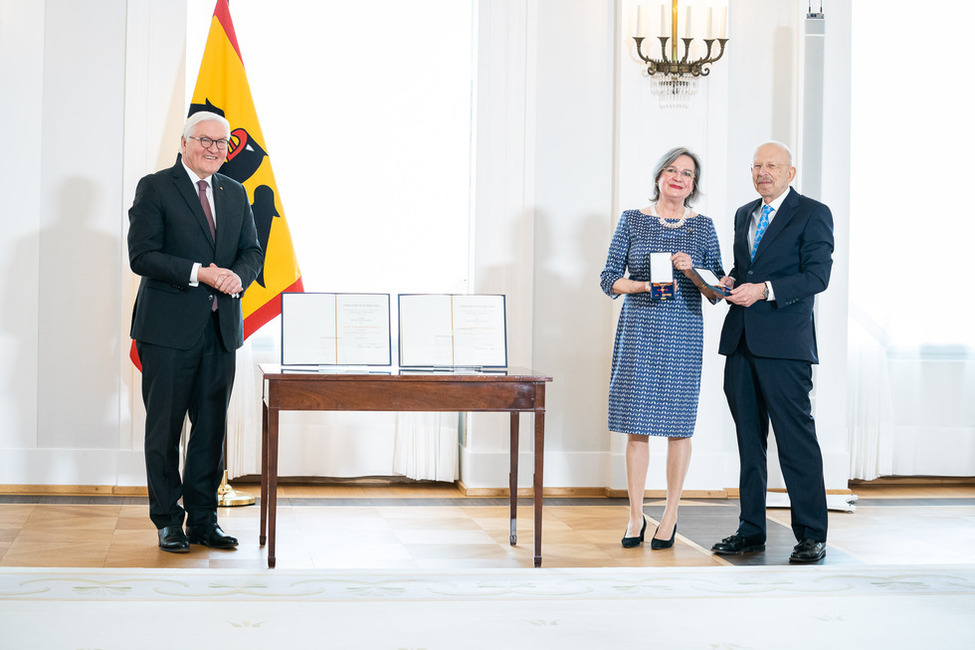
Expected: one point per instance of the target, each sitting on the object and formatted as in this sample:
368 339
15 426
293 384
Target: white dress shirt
194 281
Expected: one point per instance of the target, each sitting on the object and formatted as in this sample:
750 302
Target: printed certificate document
426 333
362 329
452 330
335 329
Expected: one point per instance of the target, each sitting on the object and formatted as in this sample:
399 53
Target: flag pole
228 497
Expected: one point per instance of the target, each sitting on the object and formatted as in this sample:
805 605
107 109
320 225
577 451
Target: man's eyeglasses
208 142
770 167
673 171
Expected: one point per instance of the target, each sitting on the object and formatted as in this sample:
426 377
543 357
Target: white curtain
420 446
870 404
910 240
245 416
425 446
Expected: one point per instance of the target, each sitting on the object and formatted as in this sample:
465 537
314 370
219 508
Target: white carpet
733 608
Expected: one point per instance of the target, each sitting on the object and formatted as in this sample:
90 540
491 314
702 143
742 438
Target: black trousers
198 382
759 391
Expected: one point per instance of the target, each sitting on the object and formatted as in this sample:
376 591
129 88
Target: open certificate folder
707 283
335 329
441 330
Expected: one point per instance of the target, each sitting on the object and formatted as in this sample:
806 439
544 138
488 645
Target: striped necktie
762 225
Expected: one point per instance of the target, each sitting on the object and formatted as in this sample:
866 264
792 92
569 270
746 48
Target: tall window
912 224
366 111
912 219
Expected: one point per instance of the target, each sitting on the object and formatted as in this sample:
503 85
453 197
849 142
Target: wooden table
513 391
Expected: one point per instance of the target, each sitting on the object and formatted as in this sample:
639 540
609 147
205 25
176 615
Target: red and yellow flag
222 88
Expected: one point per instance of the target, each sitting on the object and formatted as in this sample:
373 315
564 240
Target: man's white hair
784 147
204 116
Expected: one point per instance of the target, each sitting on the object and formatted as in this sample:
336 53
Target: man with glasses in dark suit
783 253
192 239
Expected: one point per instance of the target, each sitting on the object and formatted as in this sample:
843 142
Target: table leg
537 483
272 487
513 481
263 534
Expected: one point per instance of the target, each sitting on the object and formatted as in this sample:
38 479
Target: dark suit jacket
796 255
168 232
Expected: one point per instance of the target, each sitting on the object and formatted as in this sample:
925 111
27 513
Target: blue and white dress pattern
656 374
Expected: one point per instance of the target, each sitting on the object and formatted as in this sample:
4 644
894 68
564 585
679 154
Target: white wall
503 224
93 85
574 177
832 308
62 245
21 30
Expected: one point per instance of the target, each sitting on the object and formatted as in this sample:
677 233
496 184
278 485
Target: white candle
707 31
723 23
639 21
687 23
663 21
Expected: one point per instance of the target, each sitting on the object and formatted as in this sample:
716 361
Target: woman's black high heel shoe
660 544
630 542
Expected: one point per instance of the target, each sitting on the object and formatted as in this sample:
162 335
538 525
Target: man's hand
747 294
223 280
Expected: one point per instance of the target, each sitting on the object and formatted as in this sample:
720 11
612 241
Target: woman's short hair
204 116
666 161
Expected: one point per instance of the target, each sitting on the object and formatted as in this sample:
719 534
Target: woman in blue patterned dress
656 374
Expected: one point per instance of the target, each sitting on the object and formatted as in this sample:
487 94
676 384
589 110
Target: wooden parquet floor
437 527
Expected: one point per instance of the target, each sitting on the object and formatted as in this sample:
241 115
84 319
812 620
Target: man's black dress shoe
212 536
808 550
173 540
657 544
738 544
630 542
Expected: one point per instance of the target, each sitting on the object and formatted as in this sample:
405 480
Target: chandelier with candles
674 78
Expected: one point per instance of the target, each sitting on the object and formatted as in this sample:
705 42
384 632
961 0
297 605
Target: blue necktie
762 225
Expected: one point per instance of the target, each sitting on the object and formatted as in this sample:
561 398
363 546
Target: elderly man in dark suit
783 252
192 239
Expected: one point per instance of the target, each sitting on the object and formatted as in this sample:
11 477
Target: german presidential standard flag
222 88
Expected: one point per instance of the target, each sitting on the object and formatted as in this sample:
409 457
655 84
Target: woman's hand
682 261
626 285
